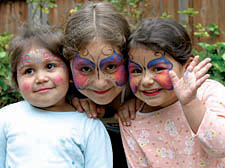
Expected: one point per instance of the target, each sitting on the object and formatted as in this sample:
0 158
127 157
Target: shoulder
14 107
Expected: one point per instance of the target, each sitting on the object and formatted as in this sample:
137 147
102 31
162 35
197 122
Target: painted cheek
26 86
164 80
133 85
80 81
58 79
120 76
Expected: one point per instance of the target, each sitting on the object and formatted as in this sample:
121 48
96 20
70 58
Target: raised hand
186 87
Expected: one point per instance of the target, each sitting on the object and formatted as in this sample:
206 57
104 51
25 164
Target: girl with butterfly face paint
181 122
95 44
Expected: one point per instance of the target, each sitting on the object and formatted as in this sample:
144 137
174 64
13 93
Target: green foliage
217 54
165 15
189 12
211 31
7 93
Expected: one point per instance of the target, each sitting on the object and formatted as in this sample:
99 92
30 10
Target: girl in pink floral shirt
182 123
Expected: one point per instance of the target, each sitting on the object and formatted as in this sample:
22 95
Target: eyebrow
87 61
139 66
115 58
161 60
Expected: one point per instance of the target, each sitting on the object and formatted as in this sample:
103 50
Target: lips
102 92
43 90
151 92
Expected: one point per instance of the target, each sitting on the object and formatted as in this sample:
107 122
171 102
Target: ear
187 63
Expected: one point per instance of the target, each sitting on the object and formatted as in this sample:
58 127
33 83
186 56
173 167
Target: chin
102 102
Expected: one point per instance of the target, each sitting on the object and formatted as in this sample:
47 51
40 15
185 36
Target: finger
93 109
131 110
85 106
138 104
100 111
203 71
202 64
122 112
76 103
193 64
173 77
202 80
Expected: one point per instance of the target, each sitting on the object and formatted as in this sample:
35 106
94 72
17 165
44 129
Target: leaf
3 54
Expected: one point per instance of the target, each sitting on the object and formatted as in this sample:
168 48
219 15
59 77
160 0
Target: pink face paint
79 78
162 77
119 74
58 79
26 86
132 67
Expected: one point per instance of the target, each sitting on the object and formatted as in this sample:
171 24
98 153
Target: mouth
151 92
102 92
43 90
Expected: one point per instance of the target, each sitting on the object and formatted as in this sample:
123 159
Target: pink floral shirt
163 139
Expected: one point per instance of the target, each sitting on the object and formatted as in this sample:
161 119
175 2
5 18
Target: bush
217 54
7 93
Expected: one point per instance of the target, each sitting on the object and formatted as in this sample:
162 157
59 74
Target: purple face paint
79 78
119 74
162 76
132 66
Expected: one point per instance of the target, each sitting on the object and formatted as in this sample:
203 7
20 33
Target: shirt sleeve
98 151
211 132
2 140
134 154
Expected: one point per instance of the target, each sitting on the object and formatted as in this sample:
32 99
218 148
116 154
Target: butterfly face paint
133 67
81 68
99 72
114 65
162 76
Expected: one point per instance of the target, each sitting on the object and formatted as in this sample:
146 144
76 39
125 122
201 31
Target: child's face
149 78
99 72
43 78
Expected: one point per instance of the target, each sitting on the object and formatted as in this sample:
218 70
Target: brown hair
44 36
95 21
163 34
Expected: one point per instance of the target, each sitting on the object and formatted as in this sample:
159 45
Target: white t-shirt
34 138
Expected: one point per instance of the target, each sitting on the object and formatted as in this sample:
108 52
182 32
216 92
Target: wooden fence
210 11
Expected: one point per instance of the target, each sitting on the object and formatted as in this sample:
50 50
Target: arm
211 132
186 91
2 141
98 149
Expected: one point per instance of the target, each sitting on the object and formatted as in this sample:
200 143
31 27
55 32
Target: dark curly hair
163 34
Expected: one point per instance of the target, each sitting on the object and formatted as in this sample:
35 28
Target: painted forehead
36 56
95 55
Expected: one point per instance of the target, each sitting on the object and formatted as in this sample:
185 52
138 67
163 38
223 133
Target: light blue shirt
34 138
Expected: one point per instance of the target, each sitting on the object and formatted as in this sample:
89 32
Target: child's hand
186 87
86 105
128 111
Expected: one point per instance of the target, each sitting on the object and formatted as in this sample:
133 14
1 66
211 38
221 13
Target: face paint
58 79
26 86
118 70
25 59
162 77
79 67
132 66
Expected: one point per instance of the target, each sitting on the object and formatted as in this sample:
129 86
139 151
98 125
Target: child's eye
29 71
136 71
85 69
111 67
50 66
157 69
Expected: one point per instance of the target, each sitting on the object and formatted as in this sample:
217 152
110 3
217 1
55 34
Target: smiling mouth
151 92
43 90
102 92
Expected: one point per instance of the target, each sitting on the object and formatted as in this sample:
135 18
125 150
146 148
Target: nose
41 77
147 80
101 81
